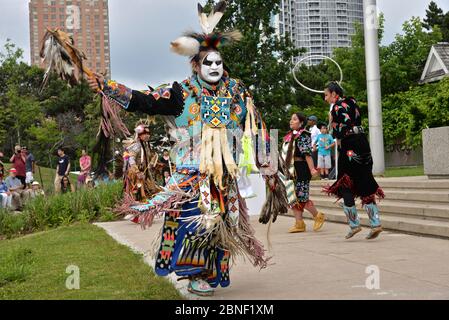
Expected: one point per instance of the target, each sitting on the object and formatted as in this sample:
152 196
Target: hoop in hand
316 56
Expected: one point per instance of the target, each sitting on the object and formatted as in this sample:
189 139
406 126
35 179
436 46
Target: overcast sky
141 31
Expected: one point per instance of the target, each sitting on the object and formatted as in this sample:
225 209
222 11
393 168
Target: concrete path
325 266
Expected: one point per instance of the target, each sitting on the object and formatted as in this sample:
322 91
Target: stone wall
404 158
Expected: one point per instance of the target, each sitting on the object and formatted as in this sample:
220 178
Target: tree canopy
401 64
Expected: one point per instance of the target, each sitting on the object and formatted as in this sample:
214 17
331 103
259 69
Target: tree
46 139
406 106
406 114
262 60
435 17
403 60
41 120
351 60
17 97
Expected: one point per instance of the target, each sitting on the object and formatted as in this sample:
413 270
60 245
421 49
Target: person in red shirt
18 161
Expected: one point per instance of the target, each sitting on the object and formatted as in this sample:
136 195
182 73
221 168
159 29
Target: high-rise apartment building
87 21
320 26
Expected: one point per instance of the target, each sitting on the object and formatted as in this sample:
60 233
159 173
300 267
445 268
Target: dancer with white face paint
212 67
206 221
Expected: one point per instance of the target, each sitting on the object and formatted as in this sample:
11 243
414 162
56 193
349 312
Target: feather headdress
190 44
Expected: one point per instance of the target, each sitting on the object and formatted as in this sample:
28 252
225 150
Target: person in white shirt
314 132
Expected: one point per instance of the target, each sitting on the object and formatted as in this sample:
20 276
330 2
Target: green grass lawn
404 171
34 268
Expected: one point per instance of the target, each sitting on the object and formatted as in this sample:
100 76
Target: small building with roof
437 65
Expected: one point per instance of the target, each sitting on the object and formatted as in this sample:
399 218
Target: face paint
212 68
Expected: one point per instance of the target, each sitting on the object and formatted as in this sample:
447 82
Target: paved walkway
325 266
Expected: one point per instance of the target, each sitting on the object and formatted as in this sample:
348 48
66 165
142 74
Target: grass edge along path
34 267
404 171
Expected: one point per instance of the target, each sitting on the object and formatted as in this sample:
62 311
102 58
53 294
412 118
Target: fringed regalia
139 182
297 179
355 163
206 221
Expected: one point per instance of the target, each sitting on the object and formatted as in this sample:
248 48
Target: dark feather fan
60 56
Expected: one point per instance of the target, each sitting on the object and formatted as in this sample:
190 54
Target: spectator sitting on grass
66 186
5 195
15 186
36 190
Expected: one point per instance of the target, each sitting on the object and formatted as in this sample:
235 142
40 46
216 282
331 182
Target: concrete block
436 152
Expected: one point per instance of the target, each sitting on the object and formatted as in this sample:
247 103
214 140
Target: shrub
13 224
42 213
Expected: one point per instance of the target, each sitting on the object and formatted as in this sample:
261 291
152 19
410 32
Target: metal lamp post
373 85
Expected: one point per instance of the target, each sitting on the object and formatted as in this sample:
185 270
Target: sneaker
353 232
200 288
374 233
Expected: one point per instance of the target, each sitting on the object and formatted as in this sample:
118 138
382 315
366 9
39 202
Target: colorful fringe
372 198
145 217
175 201
343 182
124 208
253 248
111 123
346 182
217 229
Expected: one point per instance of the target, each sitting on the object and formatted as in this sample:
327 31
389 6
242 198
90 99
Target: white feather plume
209 22
185 46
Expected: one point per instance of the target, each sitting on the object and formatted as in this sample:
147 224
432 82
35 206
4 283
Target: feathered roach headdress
193 43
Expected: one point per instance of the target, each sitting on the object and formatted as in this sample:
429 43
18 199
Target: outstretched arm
163 101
